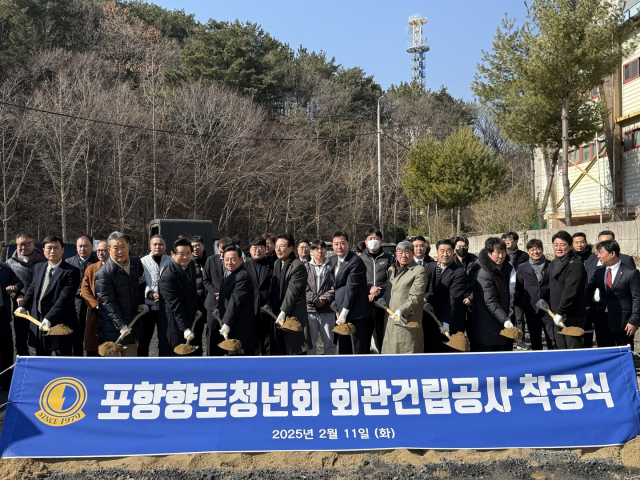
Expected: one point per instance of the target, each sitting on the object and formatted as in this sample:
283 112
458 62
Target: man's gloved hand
342 318
45 325
281 318
22 311
558 319
188 335
444 328
225 330
216 313
508 324
125 330
397 314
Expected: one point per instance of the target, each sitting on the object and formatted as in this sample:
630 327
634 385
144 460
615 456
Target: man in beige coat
404 295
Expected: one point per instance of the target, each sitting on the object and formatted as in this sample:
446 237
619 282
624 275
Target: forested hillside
212 120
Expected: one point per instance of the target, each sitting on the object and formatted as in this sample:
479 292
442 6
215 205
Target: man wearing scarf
287 295
532 284
567 282
590 261
260 269
22 263
516 257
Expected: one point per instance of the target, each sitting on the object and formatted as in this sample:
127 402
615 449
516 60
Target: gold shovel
228 345
576 332
111 348
47 330
344 328
186 348
465 348
400 320
283 326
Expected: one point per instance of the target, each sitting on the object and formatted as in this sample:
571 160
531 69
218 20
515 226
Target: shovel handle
432 315
548 310
31 319
393 315
334 310
193 325
131 324
269 311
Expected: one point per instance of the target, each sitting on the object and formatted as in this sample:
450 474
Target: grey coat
405 292
326 289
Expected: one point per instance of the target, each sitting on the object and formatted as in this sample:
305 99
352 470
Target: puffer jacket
24 270
152 272
491 300
377 269
119 295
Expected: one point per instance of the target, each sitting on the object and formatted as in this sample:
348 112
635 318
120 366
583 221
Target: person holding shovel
120 287
287 295
179 295
446 291
567 283
404 295
88 292
51 300
493 289
236 304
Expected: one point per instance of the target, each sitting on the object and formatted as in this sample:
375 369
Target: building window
630 71
628 140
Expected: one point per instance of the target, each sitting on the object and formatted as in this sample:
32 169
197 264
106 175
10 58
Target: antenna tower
419 48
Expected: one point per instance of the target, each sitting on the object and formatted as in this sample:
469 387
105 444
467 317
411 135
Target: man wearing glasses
22 262
260 269
88 291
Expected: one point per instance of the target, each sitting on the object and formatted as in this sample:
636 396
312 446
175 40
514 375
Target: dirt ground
619 462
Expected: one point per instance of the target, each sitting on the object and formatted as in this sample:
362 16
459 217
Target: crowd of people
248 297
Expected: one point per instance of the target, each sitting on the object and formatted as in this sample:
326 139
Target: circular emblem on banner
61 402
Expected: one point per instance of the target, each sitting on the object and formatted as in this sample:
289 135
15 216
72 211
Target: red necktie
608 279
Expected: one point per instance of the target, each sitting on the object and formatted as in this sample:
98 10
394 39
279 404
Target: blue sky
373 34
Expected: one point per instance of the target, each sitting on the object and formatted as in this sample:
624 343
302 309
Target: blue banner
73 407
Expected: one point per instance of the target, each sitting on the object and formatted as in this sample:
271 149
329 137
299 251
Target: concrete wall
627 234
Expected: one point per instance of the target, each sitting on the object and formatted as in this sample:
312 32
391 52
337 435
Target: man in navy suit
179 295
51 299
352 296
618 311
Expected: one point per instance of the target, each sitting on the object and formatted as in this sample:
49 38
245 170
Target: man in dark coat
468 261
120 287
236 304
9 283
260 269
51 299
179 295
516 257
199 258
213 275
352 296
567 282
287 295
84 258
618 311
22 262
378 263
421 248
532 285
590 262
445 293
492 290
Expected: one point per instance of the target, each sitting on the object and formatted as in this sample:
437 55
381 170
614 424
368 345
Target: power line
396 141
175 132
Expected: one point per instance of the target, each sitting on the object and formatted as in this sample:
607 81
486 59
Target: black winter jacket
377 269
567 283
490 300
119 295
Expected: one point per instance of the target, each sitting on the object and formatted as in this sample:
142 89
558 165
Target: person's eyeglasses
24 244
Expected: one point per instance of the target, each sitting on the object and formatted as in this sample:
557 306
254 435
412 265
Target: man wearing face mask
377 263
468 261
516 257
421 248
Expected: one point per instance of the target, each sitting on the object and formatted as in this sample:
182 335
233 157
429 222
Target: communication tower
418 49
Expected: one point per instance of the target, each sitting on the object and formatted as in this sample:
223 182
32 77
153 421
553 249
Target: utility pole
379 172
